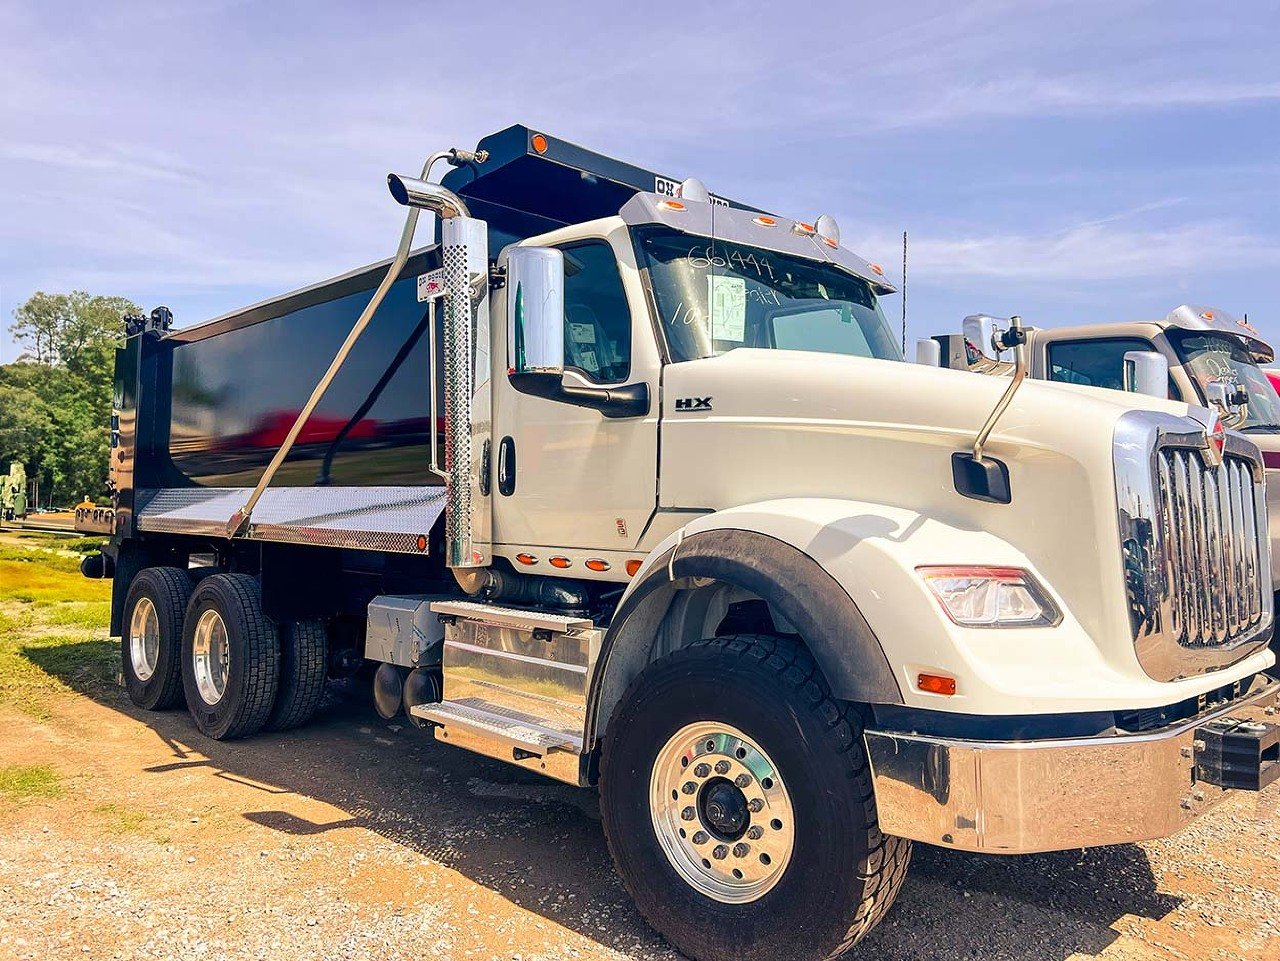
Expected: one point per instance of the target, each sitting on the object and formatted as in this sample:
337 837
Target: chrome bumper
1021 797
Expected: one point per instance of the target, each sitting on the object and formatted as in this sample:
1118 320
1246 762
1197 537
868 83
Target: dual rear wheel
211 644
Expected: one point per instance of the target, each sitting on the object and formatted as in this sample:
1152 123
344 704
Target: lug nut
720 852
722 767
700 837
741 850
689 787
702 770
755 805
742 780
688 814
756 832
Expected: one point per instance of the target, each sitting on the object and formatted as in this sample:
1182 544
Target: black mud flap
1244 755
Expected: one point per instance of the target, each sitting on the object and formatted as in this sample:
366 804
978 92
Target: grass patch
29 782
53 630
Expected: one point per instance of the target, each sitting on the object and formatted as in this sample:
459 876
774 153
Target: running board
519 731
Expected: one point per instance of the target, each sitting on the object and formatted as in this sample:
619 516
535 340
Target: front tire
150 647
230 657
738 807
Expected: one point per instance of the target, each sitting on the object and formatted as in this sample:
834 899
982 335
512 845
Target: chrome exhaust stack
464 279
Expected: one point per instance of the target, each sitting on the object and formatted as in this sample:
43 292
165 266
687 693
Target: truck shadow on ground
539 843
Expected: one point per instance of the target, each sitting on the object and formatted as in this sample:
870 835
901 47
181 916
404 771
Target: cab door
566 476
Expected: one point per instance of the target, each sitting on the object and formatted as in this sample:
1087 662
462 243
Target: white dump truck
627 484
1199 355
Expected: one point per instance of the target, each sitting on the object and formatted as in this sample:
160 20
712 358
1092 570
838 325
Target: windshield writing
714 296
1217 358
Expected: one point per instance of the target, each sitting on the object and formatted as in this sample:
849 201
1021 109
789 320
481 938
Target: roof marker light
670 205
805 230
764 221
877 268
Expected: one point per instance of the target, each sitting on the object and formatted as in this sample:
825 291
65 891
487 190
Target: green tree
55 401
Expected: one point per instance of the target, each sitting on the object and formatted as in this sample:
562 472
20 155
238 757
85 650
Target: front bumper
1021 797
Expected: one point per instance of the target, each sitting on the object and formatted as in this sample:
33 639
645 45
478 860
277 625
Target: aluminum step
491 722
512 617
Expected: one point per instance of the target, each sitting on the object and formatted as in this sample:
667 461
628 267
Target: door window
597 322
1093 363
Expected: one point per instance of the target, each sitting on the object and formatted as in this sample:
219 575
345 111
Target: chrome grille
1209 523
1194 542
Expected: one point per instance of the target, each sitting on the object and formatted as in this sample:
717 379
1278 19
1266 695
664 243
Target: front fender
870 621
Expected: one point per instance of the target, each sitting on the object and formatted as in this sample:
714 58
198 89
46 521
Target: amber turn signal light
936 684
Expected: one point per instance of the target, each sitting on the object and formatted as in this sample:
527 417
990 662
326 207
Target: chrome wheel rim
211 657
144 639
721 812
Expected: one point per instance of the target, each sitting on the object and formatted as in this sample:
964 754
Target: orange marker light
539 143
877 268
936 684
633 565
527 558
596 564
671 205
561 562
764 221
829 242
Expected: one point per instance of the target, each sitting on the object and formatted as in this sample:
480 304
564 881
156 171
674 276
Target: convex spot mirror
535 310
1146 372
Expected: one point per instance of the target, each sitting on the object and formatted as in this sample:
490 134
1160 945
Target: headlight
991 596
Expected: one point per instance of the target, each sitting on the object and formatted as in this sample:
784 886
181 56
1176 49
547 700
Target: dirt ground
127 835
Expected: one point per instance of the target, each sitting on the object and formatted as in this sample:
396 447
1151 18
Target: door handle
507 466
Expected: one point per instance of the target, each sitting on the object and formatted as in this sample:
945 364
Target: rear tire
230 657
151 641
723 876
304 668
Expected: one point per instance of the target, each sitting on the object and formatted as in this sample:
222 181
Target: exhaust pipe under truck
627 484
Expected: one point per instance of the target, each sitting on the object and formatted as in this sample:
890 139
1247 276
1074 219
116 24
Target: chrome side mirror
1146 372
980 333
535 310
928 352
1229 400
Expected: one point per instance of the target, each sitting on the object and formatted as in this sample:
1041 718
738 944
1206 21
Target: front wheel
738 806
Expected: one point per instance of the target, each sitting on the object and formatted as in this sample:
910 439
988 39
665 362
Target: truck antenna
904 293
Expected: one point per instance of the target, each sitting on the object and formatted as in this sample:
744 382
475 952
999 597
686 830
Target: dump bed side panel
238 387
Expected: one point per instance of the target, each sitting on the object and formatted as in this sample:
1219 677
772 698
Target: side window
597 323
1094 363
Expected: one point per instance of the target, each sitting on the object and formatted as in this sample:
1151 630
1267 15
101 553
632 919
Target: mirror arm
631 400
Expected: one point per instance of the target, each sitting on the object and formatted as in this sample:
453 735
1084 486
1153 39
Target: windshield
713 296
1211 358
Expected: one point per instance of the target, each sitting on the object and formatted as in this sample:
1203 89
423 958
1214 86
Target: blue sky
1070 161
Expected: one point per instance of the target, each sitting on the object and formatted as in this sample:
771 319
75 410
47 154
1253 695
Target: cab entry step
1244 755
520 731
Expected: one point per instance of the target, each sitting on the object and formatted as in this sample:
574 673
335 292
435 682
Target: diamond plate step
494 723
509 616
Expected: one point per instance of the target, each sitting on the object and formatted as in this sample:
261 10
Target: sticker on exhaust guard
430 285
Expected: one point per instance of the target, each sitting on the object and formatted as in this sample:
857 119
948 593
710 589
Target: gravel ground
358 839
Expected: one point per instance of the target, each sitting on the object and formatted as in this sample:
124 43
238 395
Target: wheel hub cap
721 812
144 639
211 657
